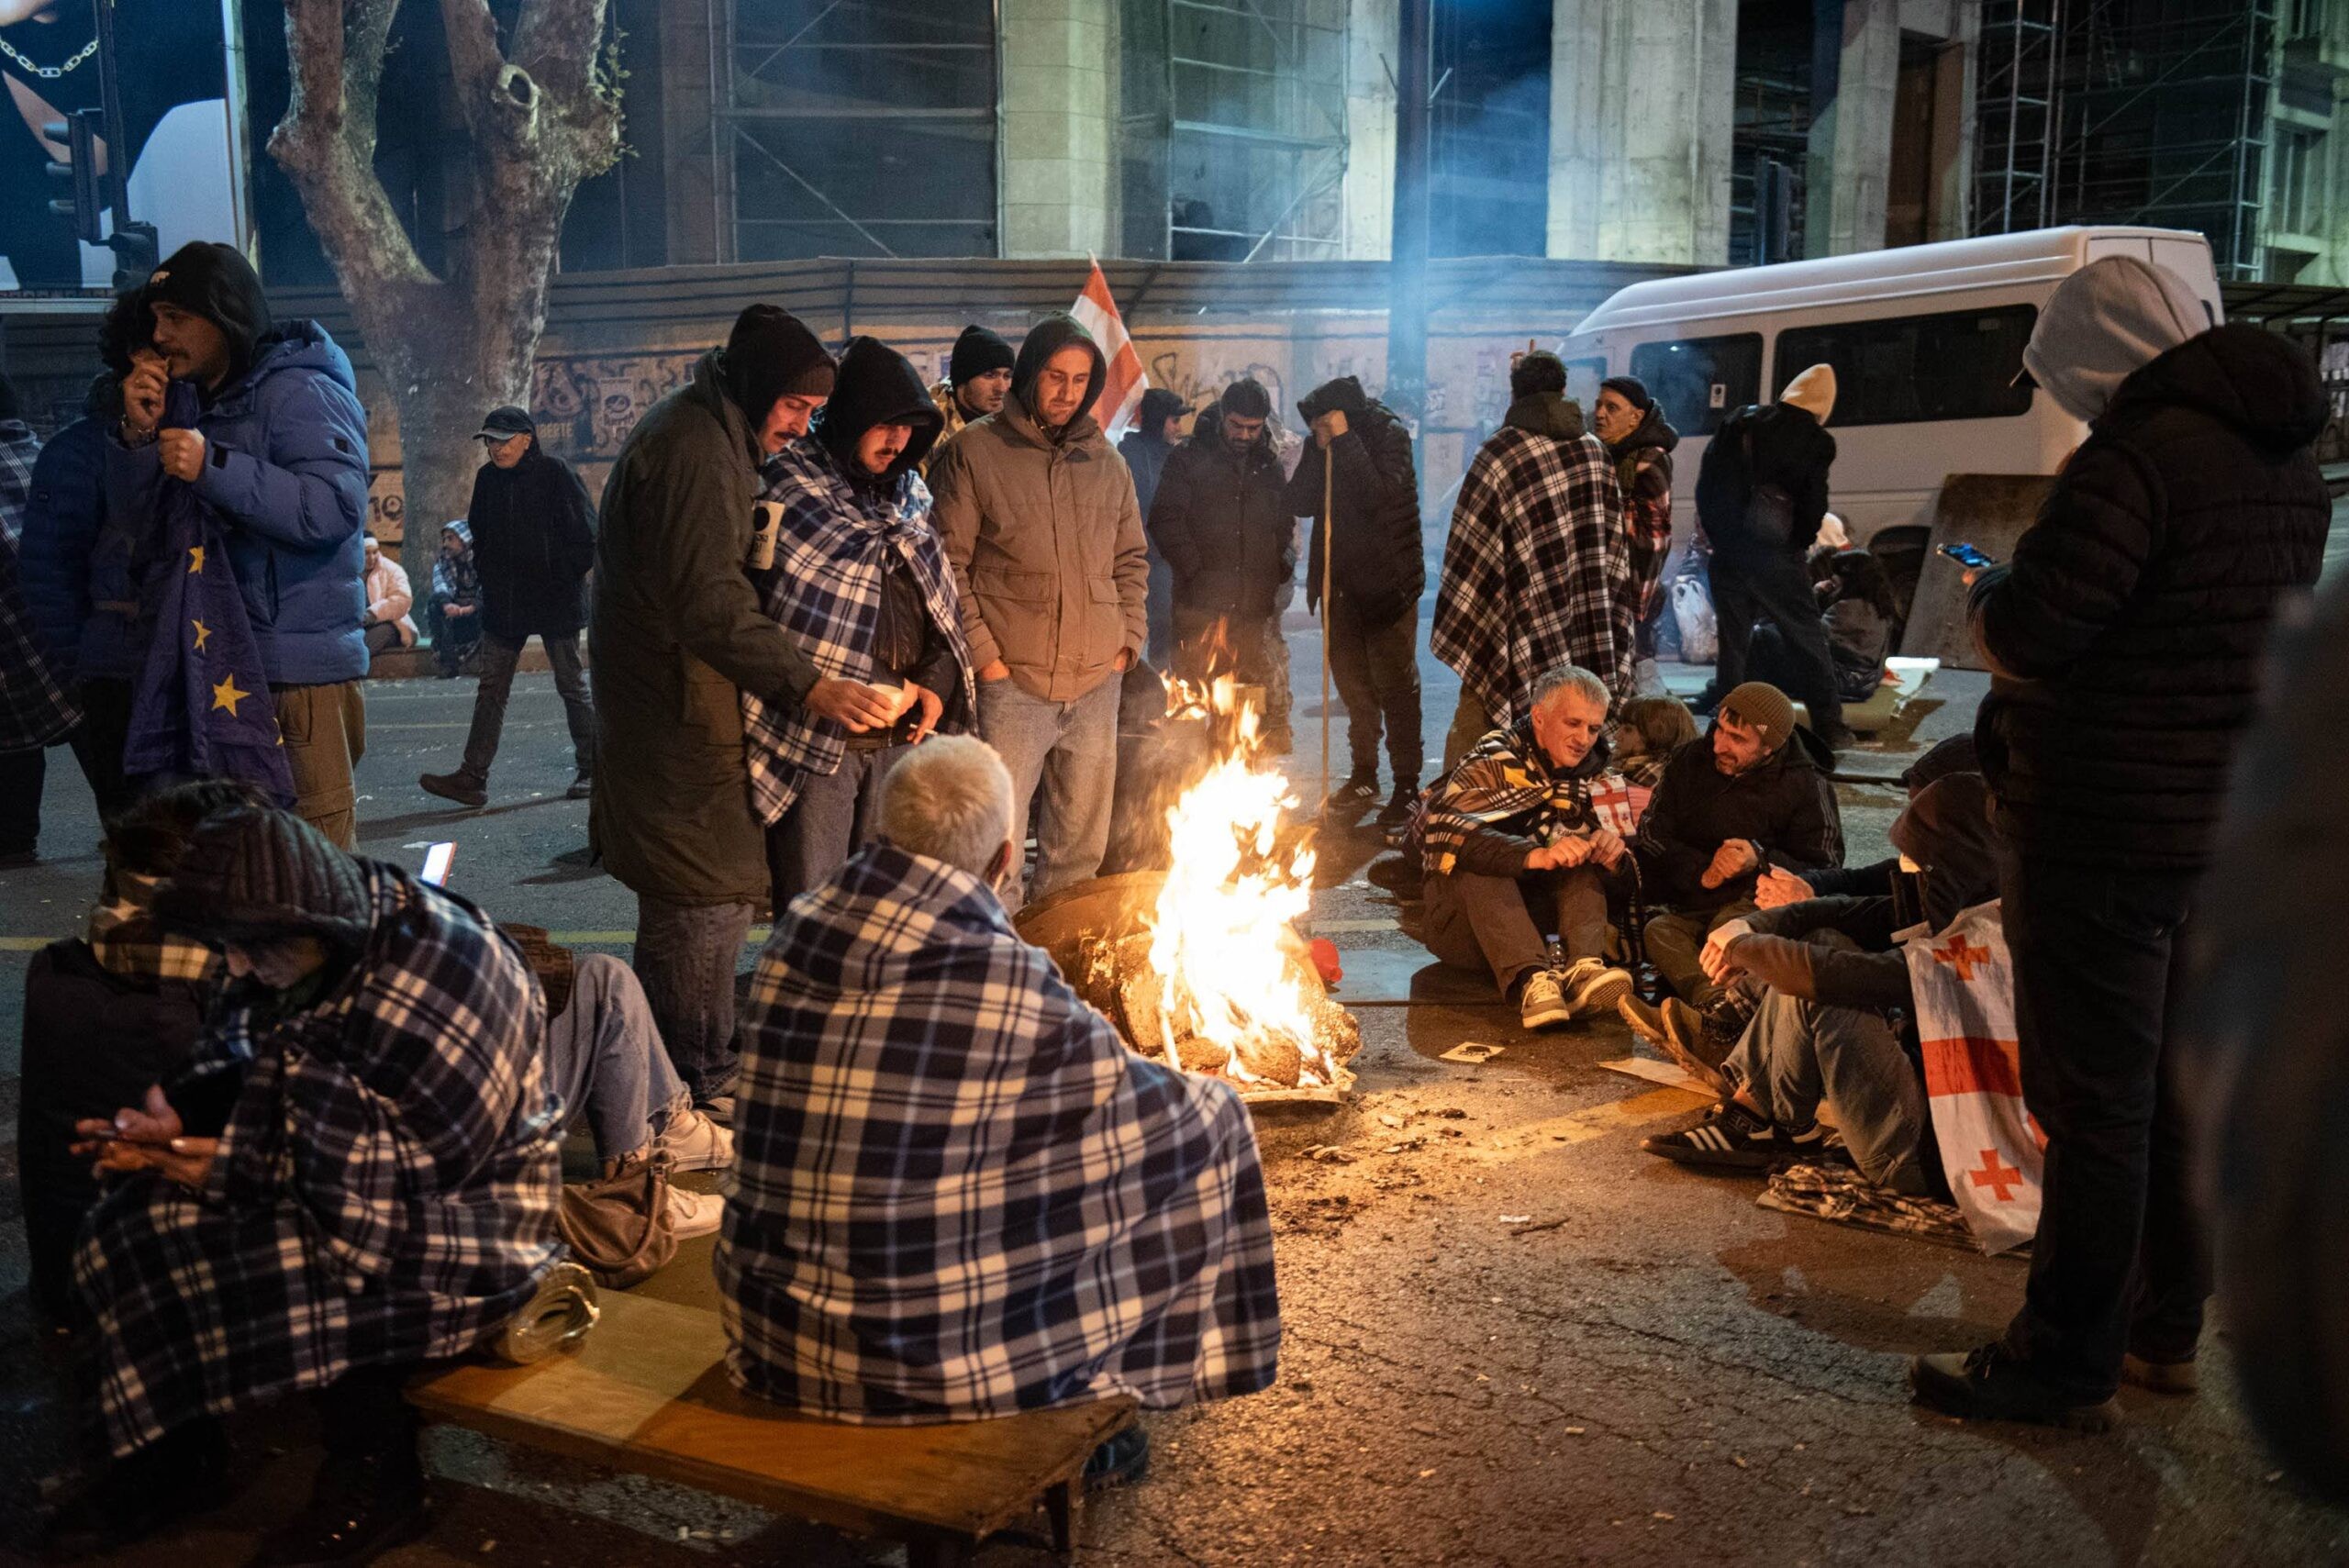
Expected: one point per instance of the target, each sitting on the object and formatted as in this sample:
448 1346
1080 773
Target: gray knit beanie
1763 707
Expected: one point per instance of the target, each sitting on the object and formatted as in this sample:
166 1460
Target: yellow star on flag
201 631
194 560
226 695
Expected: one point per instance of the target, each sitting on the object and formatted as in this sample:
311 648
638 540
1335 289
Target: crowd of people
857 640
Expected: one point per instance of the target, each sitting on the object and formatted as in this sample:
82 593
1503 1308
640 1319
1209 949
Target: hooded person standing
1041 523
1762 495
1537 571
676 638
534 543
2127 641
1220 520
1158 430
861 583
1639 439
277 451
34 712
979 378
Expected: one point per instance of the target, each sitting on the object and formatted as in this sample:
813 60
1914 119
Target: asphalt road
1650 1370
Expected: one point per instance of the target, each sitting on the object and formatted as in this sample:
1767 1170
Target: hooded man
979 378
1357 485
1762 496
277 452
1221 522
861 583
355 1173
1537 571
1041 523
1639 438
1158 430
534 543
1838 1020
454 610
2127 642
676 638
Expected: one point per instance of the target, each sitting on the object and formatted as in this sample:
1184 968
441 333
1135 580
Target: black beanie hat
877 386
1248 398
1631 389
771 354
255 874
977 352
216 283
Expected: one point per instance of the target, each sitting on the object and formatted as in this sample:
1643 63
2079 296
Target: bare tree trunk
543 113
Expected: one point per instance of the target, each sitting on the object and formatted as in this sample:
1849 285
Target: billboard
180 108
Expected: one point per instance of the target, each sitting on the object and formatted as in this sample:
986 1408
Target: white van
1925 340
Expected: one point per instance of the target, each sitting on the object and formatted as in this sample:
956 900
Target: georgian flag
1121 389
1991 1150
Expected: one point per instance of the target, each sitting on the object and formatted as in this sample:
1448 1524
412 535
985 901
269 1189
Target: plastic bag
1692 611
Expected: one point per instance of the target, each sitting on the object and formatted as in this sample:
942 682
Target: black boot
179 1476
1396 812
359 1507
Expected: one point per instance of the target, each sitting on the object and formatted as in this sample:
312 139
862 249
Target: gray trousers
498 661
685 958
1674 942
1796 1054
1487 922
1377 671
608 1065
833 817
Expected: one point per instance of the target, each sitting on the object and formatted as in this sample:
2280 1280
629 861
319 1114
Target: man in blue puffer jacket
280 452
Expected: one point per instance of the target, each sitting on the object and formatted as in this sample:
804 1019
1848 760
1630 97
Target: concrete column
1641 100
696 142
1851 136
1060 128
1373 27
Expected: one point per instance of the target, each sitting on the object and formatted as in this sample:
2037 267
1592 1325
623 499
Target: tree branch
325 144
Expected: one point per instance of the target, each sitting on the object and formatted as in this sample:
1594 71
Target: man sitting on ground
1532 819
355 1173
1836 1021
1752 795
957 1193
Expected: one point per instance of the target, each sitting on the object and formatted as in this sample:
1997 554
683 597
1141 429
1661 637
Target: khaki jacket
1046 542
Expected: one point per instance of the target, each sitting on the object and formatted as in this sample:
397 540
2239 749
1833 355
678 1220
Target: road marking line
1353 928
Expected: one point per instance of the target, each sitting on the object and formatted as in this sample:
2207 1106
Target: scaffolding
2130 112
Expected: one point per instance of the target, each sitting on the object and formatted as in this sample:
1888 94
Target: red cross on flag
1121 390
1965 988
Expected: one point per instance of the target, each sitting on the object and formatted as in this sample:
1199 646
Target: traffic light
81 133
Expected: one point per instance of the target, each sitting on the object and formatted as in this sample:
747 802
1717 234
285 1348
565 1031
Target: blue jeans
835 814
608 1063
1071 748
1796 1054
685 958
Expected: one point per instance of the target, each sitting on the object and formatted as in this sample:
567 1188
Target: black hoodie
1378 558
1047 338
1785 804
875 384
2129 628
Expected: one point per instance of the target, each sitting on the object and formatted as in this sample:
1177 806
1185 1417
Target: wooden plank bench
647 1392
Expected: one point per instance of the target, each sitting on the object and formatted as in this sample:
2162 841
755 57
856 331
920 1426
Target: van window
1701 380
1909 369
1582 377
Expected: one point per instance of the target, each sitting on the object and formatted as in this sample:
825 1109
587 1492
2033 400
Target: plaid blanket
957 1193
826 595
126 940
1537 572
34 709
384 1192
1505 783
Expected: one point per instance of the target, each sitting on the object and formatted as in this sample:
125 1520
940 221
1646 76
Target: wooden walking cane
1329 508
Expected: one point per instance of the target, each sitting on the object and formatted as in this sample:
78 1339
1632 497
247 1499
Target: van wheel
1901 553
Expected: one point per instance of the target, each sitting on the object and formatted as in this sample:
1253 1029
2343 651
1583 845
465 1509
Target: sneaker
1680 1032
694 1142
580 787
1398 810
2161 1377
461 787
1988 1383
1358 793
359 1507
1730 1138
1539 1003
1124 1458
694 1214
1591 988
718 1108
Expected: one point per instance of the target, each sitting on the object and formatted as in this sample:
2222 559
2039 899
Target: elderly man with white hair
958 1194
1531 833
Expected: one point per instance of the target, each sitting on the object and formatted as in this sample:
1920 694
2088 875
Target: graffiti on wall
587 405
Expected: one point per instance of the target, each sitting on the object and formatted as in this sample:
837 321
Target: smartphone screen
1966 555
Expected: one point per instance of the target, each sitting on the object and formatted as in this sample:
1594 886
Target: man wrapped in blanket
1528 833
355 1173
958 1194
